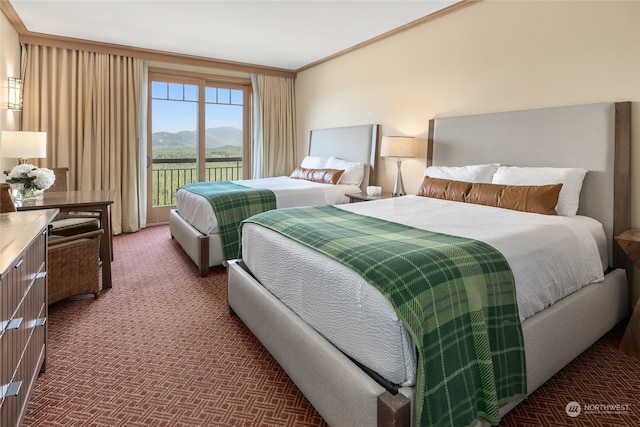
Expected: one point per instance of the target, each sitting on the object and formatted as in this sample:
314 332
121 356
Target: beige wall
487 57
491 56
9 67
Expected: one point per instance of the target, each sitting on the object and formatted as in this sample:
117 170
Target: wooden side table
629 241
364 197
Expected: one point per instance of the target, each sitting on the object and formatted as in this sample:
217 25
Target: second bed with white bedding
288 192
550 256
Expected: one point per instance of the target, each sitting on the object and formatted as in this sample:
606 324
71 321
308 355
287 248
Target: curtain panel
274 125
89 105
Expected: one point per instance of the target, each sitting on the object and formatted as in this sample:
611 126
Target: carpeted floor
160 349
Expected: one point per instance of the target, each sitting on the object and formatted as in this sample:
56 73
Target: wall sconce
398 147
15 94
23 145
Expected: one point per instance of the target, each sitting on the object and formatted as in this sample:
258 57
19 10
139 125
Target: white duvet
289 192
550 256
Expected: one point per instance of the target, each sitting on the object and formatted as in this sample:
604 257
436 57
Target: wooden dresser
23 308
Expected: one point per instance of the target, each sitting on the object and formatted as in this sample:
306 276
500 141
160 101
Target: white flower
44 178
31 177
21 171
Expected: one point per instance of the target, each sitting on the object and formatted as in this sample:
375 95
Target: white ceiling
280 34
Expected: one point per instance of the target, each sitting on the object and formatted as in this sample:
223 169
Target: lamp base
398 188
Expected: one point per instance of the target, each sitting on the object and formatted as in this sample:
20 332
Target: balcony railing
170 174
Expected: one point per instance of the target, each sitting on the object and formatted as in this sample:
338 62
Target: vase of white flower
29 181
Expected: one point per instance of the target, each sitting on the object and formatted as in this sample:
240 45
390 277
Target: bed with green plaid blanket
455 296
231 204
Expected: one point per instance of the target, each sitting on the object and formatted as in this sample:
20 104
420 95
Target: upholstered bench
70 226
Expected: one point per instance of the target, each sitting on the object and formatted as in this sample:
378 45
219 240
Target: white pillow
353 171
471 173
571 179
314 162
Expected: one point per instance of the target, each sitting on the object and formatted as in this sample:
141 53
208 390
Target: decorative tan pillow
571 178
353 171
540 199
324 176
314 162
536 199
470 173
444 189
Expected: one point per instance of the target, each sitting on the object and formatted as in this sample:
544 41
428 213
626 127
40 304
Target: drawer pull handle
41 321
18 264
14 323
41 275
11 389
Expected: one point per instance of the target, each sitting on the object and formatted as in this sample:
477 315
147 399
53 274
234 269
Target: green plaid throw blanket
232 203
455 296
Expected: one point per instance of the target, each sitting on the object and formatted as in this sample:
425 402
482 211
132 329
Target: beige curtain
88 103
274 126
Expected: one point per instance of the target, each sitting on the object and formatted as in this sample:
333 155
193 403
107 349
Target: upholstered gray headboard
596 137
353 143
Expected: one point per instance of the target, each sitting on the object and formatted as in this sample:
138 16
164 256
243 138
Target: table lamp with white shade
399 147
23 145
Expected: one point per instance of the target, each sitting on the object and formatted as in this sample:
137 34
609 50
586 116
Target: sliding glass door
199 131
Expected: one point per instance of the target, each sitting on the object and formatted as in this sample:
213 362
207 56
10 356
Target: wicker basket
74 265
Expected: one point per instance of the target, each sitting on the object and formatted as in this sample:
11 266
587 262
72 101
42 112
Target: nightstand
364 197
629 241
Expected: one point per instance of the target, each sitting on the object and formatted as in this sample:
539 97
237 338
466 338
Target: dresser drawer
20 276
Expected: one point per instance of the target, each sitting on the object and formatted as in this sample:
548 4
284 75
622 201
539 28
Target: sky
175 107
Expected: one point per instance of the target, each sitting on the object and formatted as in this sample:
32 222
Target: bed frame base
205 251
345 396
393 411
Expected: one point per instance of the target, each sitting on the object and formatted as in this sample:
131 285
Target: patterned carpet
160 349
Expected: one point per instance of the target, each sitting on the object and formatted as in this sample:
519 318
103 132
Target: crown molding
26 36
431 17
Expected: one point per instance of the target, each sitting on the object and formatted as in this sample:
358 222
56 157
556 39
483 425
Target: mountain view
215 137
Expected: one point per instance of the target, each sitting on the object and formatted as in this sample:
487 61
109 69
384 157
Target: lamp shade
398 146
23 145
